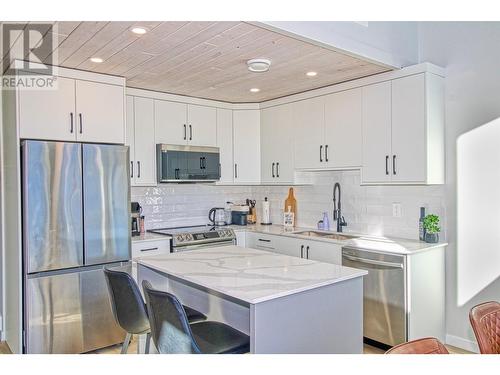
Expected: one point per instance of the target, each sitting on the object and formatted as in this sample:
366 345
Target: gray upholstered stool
129 309
172 333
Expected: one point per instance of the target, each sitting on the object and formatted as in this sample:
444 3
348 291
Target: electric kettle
217 216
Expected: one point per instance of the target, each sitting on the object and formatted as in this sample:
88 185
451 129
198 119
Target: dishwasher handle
373 262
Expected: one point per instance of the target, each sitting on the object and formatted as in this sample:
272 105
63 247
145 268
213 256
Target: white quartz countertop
148 236
249 275
362 241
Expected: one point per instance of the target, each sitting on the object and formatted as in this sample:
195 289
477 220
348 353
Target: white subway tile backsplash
367 209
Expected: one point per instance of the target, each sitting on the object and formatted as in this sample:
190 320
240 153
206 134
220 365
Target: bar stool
129 309
428 345
485 321
172 333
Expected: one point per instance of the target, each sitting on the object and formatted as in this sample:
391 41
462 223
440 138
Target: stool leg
126 343
148 343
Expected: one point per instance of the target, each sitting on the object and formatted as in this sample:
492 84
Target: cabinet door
277 144
309 134
408 129
246 146
48 114
100 111
225 144
377 157
144 135
289 246
343 118
129 135
202 125
323 252
170 122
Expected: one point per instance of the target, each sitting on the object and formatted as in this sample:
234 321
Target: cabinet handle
71 117
190 133
307 252
326 153
176 173
278 170
81 123
138 169
201 163
263 240
393 164
321 153
235 170
273 171
302 251
150 249
387 164
185 132
131 169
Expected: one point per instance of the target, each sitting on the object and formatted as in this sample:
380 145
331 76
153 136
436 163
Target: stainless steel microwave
179 163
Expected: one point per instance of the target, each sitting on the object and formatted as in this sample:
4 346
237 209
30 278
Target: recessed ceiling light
311 74
258 65
254 89
139 30
96 60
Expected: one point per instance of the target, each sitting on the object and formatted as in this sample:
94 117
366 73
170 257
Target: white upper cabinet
309 134
141 141
185 124
403 131
144 142
225 144
202 125
100 112
76 110
129 133
170 122
246 146
277 144
48 114
408 129
377 154
343 122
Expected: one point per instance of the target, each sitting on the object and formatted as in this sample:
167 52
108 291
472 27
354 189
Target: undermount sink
333 236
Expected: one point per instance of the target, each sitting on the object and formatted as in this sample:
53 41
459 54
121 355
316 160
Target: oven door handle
203 246
373 262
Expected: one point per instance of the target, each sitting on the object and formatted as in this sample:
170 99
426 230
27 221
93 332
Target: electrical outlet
396 209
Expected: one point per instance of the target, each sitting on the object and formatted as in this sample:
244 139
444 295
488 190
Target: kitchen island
285 304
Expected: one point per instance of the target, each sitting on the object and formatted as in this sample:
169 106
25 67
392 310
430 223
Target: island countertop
250 275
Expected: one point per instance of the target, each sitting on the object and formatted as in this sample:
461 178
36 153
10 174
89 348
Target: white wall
470 53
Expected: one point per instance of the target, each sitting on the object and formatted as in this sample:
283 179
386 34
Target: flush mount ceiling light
96 60
254 89
311 74
258 65
139 30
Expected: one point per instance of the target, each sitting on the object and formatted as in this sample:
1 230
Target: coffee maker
135 214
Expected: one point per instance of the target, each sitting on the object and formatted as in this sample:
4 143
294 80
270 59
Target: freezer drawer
384 294
52 205
106 194
69 313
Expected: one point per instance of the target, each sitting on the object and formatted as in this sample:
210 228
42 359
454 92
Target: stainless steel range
197 237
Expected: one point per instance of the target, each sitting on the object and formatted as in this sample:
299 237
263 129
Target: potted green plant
432 229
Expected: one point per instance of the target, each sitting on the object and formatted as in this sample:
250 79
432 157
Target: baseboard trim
462 343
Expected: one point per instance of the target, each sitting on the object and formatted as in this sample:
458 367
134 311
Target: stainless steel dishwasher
384 294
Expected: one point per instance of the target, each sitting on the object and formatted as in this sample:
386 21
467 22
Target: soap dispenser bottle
326 221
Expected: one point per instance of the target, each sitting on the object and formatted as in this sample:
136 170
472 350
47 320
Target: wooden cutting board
291 202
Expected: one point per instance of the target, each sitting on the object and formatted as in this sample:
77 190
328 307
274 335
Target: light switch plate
396 209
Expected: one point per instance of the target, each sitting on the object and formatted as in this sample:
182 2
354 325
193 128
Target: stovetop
196 234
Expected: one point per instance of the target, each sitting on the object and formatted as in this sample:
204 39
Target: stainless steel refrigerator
76 221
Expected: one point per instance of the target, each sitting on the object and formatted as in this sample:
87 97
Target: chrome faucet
337 208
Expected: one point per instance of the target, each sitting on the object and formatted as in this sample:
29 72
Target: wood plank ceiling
204 59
